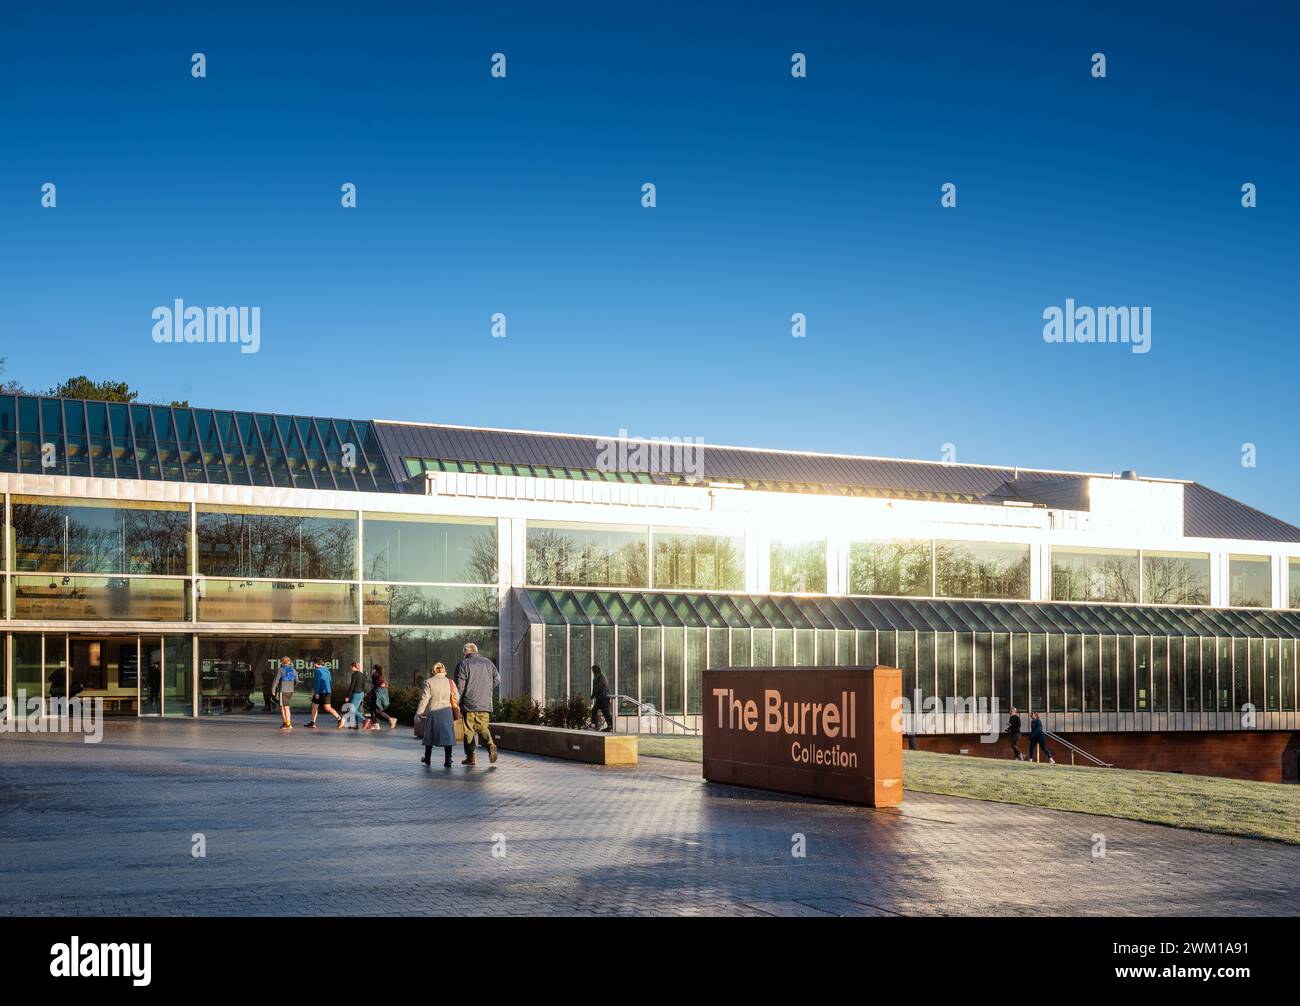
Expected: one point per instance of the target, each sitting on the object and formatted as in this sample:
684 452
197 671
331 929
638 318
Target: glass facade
697 560
1250 581
798 565
1175 578
175 444
1057 658
106 563
898 568
590 555
415 549
981 569
94 537
1094 574
215 592
259 543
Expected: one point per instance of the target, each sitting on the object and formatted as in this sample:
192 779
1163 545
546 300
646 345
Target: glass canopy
67 436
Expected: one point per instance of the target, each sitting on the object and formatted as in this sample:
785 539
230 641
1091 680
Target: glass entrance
131 675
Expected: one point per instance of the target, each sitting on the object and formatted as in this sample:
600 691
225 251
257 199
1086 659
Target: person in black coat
1013 734
600 699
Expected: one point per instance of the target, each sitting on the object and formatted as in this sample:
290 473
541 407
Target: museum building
162 558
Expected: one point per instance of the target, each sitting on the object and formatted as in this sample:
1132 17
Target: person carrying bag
438 716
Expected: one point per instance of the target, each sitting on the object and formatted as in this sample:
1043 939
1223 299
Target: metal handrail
653 712
1075 749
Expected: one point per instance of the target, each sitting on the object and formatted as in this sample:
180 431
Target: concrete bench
589 746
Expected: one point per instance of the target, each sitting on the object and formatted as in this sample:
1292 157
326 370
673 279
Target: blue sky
775 195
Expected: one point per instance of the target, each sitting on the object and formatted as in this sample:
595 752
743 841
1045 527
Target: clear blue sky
775 195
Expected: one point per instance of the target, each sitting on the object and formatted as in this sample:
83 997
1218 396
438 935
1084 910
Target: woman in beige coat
439 705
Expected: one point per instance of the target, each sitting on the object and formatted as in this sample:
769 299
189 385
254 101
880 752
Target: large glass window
896 568
1109 648
90 537
1143 655
1127 648
1160 673
235 674
1209 675
1055 698
27 675
587 555
981 569
413 549
1175 578
688 560
177 676
300 601
798 566
1250 582
1091 673
100 598
408 655
411 604
1074 673
1192 688
1094 574
1177 674
288 544
1293 583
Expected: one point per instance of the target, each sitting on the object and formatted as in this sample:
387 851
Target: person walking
600 699
376 704
268 687
322 693
282 688
440 707
356 696
1013 734
476 680
1038 738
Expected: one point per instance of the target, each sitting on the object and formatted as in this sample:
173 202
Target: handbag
458 721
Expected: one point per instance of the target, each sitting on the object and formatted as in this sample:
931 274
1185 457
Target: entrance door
151 675
106 668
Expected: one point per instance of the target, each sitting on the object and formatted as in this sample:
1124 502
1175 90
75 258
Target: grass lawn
1226 806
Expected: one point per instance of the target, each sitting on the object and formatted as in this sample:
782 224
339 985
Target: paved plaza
331 823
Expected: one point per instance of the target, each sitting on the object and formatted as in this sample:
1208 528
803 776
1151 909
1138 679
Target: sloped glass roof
164 443
912 614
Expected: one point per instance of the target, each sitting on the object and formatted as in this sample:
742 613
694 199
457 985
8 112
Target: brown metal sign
816 731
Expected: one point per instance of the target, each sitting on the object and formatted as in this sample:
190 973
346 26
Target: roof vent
1129 475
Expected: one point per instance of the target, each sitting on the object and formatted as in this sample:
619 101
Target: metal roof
762 611
1206 514
1209 514
182 444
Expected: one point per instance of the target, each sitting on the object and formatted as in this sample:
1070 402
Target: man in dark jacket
1038 738
477 679
1013 734
600 699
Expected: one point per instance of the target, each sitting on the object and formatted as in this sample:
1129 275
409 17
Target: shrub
402 703
572 713
518 709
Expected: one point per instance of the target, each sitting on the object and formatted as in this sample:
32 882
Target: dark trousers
428 754
602 706
1015 745
1037 741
